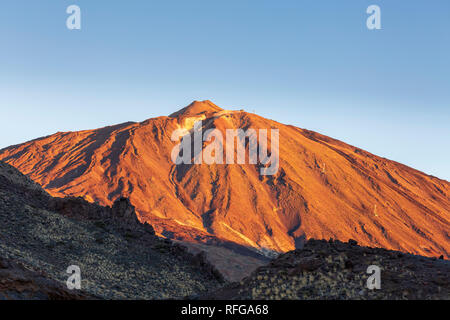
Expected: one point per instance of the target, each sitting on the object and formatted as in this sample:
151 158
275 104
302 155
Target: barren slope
119 257
323 189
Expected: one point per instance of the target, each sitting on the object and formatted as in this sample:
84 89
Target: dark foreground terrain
19 283
119 258
337 270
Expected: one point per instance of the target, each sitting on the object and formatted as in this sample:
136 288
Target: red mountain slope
323 189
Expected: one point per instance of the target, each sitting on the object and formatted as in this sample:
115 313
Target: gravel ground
338 271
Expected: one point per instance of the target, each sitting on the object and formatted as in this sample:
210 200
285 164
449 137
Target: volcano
323 188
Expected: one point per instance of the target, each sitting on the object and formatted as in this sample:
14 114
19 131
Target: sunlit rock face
322 189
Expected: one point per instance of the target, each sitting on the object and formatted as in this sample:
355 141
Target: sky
312 64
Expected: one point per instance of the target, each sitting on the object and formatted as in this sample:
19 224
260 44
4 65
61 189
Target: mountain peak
323 189
197 108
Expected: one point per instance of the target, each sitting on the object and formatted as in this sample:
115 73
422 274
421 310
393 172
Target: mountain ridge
323 189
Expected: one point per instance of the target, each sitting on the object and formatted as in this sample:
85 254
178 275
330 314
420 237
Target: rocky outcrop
18 283
337 270
122 214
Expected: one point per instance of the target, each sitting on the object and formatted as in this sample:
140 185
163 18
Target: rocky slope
323 189
119 257
19 283
337 270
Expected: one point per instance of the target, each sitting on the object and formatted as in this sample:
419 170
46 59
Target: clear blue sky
313 64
